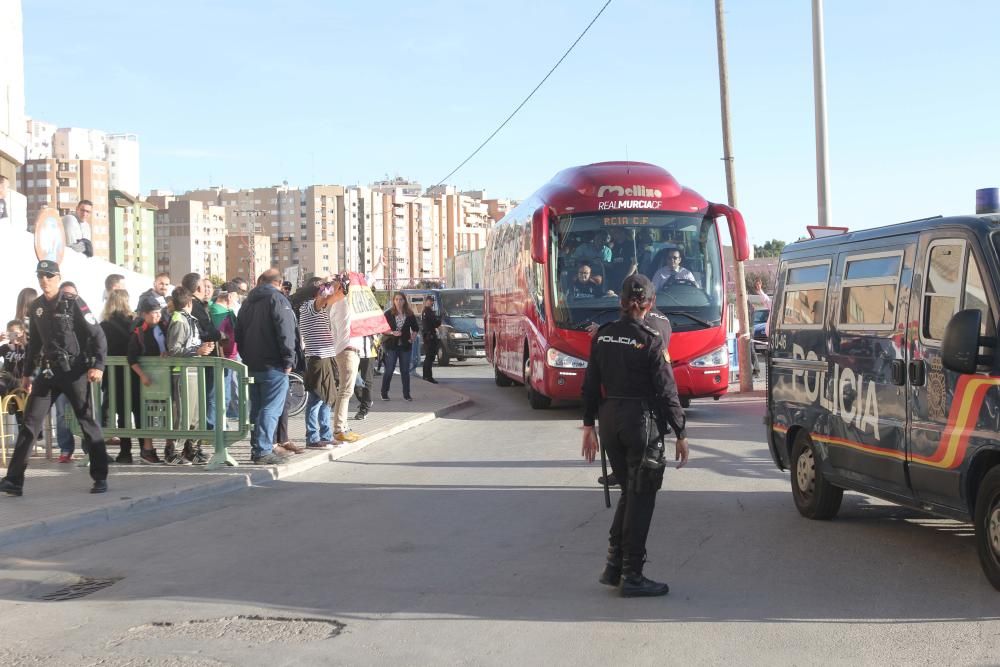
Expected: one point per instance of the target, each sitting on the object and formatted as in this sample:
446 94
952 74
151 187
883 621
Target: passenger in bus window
645 251
598 248
583 287
672 272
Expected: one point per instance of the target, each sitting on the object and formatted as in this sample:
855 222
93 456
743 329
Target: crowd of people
270 329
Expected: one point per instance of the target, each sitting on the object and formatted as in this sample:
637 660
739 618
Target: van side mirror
540 235
737 229
960 347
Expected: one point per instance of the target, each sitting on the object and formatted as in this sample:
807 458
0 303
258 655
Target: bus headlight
558 359
717 357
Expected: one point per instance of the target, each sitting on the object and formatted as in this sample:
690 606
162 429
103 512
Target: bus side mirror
540 235
960 347
737 229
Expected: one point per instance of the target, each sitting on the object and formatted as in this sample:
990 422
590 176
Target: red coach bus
554 266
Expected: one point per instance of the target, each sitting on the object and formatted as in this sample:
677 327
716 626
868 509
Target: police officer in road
67 348
630 388
661 323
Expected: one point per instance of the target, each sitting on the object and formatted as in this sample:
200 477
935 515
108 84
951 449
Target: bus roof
617 186
978 223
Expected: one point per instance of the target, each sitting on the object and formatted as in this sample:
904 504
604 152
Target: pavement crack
742 509
586 521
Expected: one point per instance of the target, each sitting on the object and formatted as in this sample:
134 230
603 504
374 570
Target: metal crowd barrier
156 408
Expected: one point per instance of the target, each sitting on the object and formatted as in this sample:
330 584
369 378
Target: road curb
242 478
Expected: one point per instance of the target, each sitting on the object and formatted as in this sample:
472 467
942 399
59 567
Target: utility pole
743 339
819 95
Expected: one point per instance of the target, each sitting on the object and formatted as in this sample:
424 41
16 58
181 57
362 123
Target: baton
604 469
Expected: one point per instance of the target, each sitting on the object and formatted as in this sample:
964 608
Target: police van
883 376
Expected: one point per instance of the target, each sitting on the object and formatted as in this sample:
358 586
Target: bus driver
672 271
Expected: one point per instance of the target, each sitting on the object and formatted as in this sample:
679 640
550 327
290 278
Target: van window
805 295
942 287
870 287
975 296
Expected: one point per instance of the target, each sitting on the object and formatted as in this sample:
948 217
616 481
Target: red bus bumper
564 384
567 384
701 382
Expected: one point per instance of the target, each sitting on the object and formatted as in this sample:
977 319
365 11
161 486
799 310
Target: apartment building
323 229
247 255
121 151
123 162
39 141
191 236
132 240
62 184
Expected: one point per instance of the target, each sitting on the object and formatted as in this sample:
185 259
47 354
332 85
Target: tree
770 249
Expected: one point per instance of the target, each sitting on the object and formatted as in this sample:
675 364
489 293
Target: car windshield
594 253
462 303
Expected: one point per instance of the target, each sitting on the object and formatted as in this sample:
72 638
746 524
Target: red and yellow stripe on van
969 395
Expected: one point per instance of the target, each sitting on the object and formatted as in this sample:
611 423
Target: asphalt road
478 538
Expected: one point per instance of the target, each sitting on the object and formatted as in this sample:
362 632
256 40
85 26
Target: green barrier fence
158 415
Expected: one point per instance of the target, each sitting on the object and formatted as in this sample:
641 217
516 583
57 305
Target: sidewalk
56 498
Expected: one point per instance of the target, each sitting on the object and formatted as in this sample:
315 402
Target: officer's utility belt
58 361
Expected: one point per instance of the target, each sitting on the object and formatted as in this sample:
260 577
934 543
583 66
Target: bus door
945 407
865 385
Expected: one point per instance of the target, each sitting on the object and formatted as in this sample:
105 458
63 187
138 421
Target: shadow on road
426 551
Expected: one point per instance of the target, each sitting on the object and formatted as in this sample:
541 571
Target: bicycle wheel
297 395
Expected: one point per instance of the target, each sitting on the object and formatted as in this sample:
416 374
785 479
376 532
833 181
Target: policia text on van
883 375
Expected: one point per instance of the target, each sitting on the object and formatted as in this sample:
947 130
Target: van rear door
945 408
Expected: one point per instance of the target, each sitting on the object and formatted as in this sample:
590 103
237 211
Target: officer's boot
635 585
612 574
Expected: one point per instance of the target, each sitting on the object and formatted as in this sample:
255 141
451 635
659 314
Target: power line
530 95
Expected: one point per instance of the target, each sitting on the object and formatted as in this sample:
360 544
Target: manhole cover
84 587
248 629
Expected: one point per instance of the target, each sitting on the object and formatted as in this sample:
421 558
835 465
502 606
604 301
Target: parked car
759 327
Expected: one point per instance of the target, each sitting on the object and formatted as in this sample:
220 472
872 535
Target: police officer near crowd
67 348
630 388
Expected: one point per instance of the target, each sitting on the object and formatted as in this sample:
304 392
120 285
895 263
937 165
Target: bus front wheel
536 400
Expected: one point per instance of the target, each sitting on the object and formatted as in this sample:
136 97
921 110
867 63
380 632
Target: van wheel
815 498
988 526
536 400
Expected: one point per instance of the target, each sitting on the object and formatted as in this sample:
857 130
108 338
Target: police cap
47 266
638 288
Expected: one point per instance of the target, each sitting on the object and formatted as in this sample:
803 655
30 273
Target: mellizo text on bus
555 263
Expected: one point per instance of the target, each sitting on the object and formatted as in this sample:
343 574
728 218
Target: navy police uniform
64 342
629 387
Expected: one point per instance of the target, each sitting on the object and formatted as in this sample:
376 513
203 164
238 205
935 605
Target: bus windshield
593 253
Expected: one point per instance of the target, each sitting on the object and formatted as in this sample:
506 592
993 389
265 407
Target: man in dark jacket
265 334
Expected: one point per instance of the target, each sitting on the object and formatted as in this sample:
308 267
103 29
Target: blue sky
249 93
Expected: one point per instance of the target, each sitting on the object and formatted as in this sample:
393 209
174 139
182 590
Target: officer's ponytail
637 295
